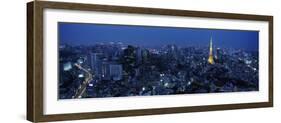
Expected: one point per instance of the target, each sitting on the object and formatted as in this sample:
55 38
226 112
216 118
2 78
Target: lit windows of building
67 66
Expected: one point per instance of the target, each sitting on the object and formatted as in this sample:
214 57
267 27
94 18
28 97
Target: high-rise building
139 55
95 63
105 70
145 55
115 71
219 55
111 71
172 51
211 58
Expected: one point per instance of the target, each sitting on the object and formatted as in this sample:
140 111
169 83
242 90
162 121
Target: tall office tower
219 55
139 55
95 63
115 71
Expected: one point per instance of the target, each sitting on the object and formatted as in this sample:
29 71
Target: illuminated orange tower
211 58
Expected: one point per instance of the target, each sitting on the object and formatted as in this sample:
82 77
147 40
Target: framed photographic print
96 61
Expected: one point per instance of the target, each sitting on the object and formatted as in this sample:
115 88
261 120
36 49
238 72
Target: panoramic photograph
106 60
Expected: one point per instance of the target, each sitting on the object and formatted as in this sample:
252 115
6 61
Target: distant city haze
151 36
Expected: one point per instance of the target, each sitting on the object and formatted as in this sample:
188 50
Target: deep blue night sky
87 34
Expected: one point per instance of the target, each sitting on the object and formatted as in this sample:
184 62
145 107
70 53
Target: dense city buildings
118 69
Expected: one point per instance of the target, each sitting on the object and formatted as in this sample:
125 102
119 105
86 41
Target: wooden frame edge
30 89
153 11
143 112
271 54
35 61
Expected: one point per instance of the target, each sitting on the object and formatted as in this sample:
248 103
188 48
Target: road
82 88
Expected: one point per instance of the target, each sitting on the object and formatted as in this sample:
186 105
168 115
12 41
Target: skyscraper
105 70
115 71
139 55
219 56
211 58
95 63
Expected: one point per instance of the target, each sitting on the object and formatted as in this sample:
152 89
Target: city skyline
102 69
150 36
